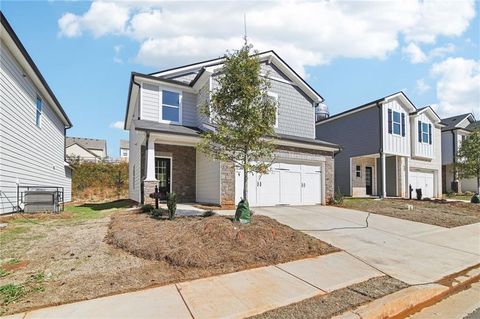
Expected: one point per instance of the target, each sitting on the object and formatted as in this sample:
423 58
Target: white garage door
285 184
422 180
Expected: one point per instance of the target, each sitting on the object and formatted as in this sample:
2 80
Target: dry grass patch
433 212
212 242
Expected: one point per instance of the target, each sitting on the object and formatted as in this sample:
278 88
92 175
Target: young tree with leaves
468 164
243 116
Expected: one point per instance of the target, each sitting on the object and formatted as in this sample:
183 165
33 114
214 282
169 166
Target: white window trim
39 124
275 96
399 123
171 168
160 101
427 132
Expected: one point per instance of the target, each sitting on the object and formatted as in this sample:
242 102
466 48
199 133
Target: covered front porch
378 175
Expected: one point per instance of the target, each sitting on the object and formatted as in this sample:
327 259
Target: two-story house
86 149
32 126
388 146
165 124
456 129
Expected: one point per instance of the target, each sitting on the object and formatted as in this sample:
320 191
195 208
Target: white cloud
458 86
117 124
304 33
414 53
102 18
421 86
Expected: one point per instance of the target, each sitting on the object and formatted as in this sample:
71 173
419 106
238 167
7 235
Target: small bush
208 213
172 205
337 198
475 199
159 213
147 208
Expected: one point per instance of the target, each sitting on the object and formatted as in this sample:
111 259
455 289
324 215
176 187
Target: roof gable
453 122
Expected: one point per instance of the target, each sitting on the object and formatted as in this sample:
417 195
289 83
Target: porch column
384 176
407 182
150 161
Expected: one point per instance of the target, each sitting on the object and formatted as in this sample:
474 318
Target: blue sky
350 52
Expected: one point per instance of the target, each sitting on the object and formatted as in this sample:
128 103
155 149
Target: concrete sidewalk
235 295
412 252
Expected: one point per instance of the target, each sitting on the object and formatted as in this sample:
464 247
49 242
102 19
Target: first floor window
38 112
170 106
358 171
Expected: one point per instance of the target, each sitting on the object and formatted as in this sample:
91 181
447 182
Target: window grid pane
170 113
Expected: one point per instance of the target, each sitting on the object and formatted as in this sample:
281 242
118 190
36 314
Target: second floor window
396 122
424 132
170 106
38 112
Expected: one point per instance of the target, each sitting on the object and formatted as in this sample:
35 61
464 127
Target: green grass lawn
92 211
458 197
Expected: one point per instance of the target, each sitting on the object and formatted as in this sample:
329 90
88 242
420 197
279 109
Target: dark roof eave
34 67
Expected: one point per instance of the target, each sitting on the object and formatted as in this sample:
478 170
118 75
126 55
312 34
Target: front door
162 174
368 180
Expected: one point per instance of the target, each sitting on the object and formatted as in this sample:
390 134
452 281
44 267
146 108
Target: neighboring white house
86 149
456 130
124 150
165 124
32 126
388 148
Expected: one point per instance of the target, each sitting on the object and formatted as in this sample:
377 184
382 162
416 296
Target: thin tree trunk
478 183
245 185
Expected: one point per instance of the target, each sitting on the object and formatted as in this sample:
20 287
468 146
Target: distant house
389 148
124 150
32 126
87 149
456 130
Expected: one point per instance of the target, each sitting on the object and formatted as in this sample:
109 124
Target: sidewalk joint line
183 299
276 266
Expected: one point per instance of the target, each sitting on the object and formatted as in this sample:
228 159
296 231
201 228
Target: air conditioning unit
41 201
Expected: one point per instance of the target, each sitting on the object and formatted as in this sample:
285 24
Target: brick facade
183 177
149 188
227 187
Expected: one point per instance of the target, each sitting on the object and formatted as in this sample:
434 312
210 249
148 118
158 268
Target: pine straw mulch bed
215 242
434 212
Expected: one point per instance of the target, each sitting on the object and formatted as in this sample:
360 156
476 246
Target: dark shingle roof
88 143
452 122
153 126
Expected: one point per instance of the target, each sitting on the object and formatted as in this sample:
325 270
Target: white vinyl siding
392 143
150 102
28 154
207 180
423 148
136 139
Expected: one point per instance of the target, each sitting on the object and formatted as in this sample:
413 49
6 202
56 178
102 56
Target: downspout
380 149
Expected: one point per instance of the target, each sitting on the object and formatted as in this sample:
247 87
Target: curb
410 300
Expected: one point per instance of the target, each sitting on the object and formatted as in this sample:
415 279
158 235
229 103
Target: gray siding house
456 129
165 124
388 148
32 125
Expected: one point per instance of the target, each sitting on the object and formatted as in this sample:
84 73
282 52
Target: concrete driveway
413 252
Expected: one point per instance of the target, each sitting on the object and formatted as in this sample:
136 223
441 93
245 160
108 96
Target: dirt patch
212 242
337 302
438 212
71 260
15 266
